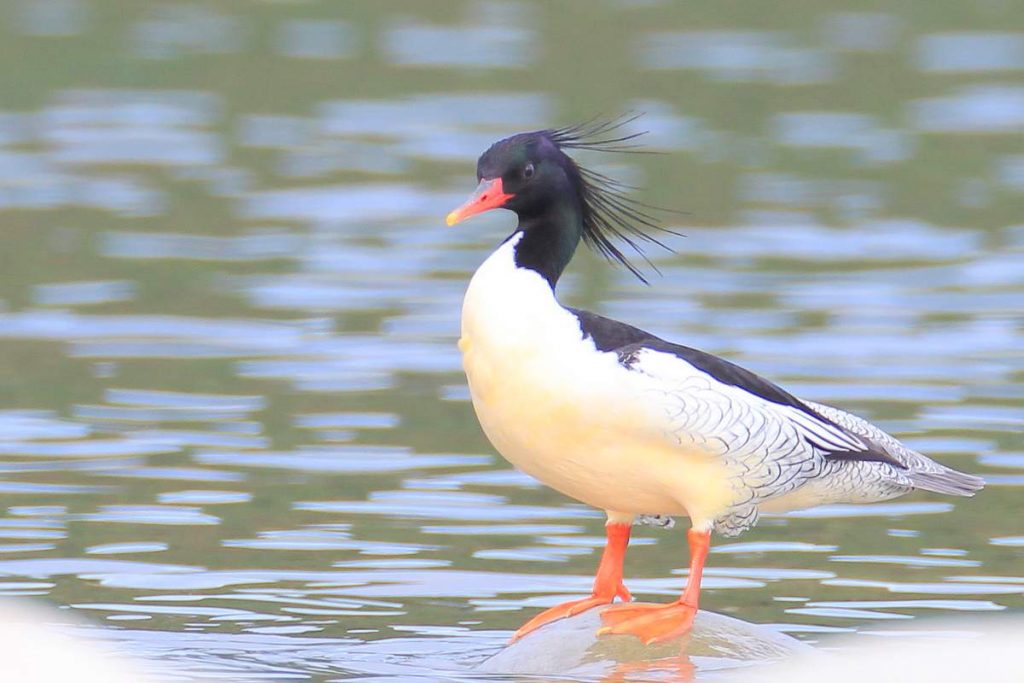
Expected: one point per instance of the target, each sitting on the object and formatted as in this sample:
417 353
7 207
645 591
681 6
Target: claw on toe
650 623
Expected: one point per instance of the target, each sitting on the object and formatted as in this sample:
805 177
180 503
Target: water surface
234 432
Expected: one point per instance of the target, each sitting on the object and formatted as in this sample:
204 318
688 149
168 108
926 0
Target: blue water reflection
234 430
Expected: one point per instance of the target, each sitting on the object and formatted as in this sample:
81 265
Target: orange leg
653 623
607 583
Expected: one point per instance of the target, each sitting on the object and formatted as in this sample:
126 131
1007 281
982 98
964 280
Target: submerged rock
39 645
571 647
944 651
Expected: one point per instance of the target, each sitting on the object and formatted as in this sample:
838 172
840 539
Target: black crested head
609 213
558 201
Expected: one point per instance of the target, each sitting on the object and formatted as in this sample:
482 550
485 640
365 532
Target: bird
623 420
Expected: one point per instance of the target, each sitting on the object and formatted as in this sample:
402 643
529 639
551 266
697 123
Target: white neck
506 305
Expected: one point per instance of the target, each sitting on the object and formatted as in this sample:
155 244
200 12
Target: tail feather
947 481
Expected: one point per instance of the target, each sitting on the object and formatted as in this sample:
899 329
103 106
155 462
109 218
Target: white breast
562 411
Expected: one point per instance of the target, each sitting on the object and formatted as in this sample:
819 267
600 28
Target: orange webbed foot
567 609
651 623
616 614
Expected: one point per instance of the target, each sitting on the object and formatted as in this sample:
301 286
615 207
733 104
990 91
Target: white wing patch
770 448
824 436
779 456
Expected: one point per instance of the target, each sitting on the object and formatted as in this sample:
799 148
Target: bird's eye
528 171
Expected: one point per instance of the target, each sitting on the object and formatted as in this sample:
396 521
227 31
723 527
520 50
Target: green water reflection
230 399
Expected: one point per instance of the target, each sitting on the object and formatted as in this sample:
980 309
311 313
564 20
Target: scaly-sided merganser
617 418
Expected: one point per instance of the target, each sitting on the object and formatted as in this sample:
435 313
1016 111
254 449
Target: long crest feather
609 213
